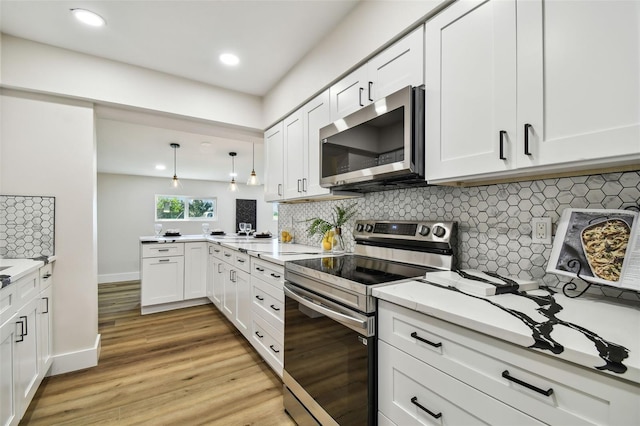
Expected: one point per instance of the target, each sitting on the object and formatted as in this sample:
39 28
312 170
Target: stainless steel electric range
330 330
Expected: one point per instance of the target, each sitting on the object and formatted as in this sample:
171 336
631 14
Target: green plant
339 217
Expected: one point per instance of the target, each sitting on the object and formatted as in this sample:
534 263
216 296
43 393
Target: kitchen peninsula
243 276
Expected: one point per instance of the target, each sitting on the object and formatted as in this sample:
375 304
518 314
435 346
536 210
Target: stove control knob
424 230
439 231
369 227
359 227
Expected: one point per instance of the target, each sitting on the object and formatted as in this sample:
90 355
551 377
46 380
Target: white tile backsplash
26 226
494 221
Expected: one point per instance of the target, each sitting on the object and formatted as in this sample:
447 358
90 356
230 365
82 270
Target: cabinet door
215 281
578 80
316 114
294 155
470 89
45 329
8 368
27 342
400 65
229 291
243 303
162 280
273 148
195 270
349 94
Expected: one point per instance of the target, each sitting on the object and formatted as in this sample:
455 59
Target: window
171 207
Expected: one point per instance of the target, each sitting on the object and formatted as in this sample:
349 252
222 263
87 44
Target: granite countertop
591 331
269 249
18 268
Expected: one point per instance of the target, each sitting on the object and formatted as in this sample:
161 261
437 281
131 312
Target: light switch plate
541 230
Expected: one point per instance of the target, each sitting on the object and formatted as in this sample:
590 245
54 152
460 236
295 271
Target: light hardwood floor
184 367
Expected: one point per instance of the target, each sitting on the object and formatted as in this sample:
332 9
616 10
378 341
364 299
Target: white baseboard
78 360
116 278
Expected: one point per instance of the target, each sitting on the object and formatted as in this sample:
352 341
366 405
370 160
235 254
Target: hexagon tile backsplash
26 226
494 221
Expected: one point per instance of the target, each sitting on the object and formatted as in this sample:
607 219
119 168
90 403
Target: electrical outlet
541 230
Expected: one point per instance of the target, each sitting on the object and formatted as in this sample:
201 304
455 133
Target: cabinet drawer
268 272
242 261
579 396
266 344
27 288
408 388
216 251
46 276
8 305
268 302
162 250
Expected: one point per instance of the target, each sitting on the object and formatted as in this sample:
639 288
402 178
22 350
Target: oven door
329 359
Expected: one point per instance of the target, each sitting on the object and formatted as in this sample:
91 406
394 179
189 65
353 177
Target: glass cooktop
364 270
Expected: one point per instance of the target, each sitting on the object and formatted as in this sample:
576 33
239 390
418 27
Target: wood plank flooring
184 367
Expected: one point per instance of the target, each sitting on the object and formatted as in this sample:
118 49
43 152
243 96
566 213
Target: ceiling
182 38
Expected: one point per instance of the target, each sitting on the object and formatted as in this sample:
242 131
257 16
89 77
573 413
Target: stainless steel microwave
378 147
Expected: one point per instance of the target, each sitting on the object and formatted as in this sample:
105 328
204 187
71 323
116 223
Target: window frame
187 200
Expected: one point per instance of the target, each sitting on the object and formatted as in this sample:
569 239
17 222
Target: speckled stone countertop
269 249
14 269
590 331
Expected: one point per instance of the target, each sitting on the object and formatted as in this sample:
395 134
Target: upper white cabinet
398 66
530 87
274 176
302 148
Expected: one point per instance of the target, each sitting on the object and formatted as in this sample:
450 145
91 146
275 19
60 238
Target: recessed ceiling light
229 59
88 17
161 167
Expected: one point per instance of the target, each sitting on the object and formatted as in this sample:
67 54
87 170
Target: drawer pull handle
164 260
274 349
435 345
240 260
259 335
274 308
227 255
216 250
415 402
259 298
46 277
163 249
547 392
259 269
275 276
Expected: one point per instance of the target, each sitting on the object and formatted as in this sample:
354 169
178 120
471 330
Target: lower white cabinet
215 275
451 369
25 342
173 275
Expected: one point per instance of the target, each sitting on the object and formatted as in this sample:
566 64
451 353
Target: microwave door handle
342 318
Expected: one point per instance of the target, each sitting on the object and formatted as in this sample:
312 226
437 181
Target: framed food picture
599 246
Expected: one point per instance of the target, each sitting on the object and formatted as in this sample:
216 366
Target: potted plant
331 230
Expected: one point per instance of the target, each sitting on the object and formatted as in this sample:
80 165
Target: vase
332 241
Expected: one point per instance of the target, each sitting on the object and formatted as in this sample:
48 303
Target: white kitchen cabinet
8 373
242 317
274 174
195 269
302 149
162 280
173 276
25 341
537 386
27 351
398 66
531 87
215 275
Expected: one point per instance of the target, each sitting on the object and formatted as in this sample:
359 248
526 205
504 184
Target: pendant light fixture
253 178
175 182
233 186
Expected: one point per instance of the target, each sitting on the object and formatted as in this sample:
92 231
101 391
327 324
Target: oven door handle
337 316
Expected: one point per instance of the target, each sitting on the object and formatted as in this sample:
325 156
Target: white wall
47 147
369 27
126 208
42 68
